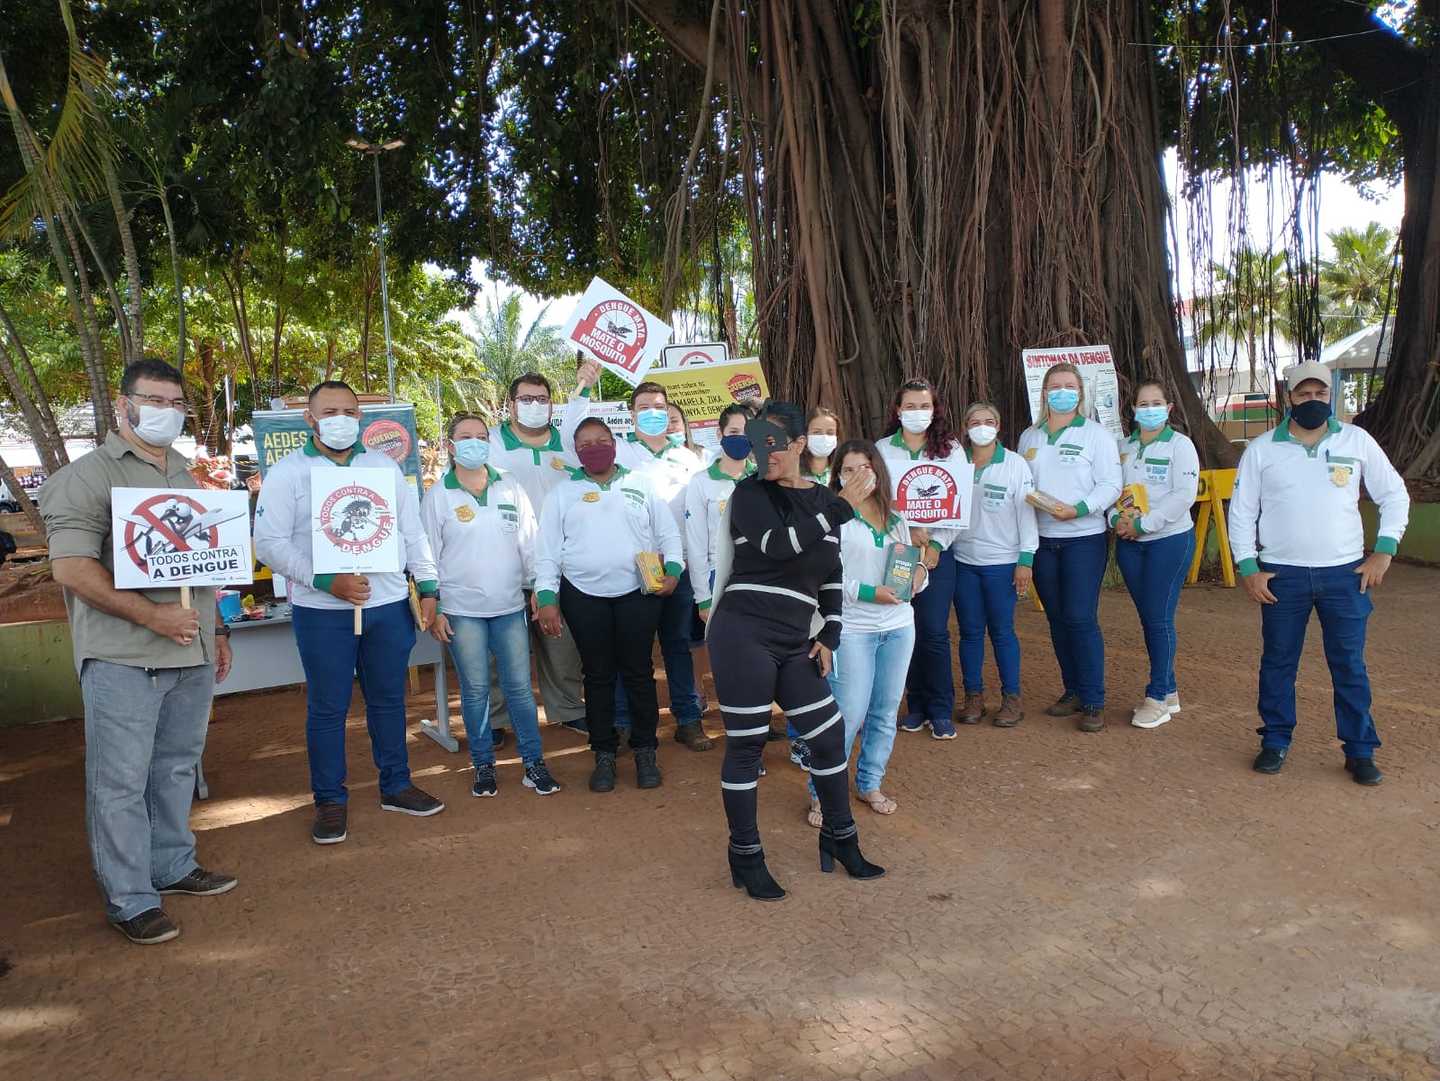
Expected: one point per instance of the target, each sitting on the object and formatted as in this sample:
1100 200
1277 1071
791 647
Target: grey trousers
557 663
144 733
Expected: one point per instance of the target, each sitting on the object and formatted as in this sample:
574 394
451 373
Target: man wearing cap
1296 535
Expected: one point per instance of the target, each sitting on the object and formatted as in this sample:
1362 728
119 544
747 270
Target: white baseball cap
1308 369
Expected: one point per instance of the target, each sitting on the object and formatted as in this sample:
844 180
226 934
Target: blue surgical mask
652 421
472 453
677 439
1151 417
735 447
1062 399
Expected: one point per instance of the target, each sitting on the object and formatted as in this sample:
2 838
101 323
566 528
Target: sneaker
1172 702
1151 713
1067 705
497 737
1010 712
1269 760
800 753
693 736
484 780
412 801
942 728
602 778
329 828
537 776
202 883
1092 719
974 708
150 928
912 723
1364 771
647 773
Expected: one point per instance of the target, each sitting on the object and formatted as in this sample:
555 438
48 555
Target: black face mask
1310 415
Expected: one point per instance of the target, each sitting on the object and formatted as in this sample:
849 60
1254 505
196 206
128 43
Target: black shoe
577 725
847 851
412 801
1067 705
329 828
602 779
202 883
647 773
1092 719
748 872
150 928
537 776
693 736
1269 760
497 737
484 781
1362 771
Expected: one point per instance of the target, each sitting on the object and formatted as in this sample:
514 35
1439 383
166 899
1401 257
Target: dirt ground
1123 905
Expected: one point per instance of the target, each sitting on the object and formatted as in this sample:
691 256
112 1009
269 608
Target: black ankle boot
748 870
847 851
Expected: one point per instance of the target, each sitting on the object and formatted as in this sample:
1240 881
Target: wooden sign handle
184 596
359 619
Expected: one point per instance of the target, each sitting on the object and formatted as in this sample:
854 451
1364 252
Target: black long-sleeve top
787 556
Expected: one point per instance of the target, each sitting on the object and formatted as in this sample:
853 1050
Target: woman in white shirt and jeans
482 530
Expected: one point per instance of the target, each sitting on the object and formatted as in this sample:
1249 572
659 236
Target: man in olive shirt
148 667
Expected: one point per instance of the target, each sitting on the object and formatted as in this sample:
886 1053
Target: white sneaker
1172 703
1150 714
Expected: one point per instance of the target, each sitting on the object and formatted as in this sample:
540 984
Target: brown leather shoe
693 736
1010 712
973 709
1067 705
1092 719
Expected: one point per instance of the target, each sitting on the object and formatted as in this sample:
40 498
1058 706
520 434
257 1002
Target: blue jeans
1334 594
144 732
1154 571
1068 574
930 684
676 612
332 655
474 639
985 600
867 680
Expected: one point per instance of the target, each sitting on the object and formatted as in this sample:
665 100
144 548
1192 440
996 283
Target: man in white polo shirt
1297 538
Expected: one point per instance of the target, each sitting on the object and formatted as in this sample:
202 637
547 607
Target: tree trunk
28 508
29 394
179 281
365 327
236 289
134 293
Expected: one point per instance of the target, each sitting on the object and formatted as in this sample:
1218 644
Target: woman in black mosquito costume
775 624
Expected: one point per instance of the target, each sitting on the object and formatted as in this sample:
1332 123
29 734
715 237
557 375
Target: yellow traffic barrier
1216 486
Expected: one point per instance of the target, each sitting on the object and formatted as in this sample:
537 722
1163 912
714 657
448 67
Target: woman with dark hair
772 632
706 498
920 431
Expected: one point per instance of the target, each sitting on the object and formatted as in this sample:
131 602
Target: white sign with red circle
936 495
355 527
164 537
694 355
612 328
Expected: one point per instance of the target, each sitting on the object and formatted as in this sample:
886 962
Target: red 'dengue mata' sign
933 494
613 329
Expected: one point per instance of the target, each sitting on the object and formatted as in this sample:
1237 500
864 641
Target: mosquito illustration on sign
354 522
934 494
185 538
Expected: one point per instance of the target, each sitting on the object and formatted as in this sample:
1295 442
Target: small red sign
927 493
614 330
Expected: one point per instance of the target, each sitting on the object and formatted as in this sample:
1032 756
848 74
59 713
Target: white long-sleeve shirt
669 469
484 546
863 552
1002 525
590 534
898 457
1298 506
1169 468
706 497
283 529
1079 465
538 469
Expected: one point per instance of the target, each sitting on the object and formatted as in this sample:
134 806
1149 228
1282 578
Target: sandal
813 816
879 802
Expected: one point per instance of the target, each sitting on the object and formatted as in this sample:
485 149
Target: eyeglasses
161 403
533 399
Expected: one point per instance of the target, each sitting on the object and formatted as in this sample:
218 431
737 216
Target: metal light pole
374 150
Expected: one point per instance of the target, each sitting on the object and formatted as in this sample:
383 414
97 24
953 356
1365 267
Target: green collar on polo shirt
880 538
898 440
1050 437
631 437
716 473
1167 433
512 441
580 474
1282 433
315 452
452 481
999 457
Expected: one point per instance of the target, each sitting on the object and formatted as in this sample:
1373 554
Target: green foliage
1250 304
506 347
1356 282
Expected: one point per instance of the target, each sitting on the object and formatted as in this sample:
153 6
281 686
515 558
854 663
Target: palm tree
1355 284
505 348
1249 306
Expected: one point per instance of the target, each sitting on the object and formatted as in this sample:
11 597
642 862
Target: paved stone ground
1128 905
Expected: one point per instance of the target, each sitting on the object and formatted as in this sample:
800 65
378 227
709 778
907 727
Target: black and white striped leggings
754 665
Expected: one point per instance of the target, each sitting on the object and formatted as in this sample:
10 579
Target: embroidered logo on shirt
1340 475
465 513
556 463
591 497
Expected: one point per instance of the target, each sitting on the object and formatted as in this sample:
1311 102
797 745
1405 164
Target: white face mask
916 421
532 414
982 435
158 425
821 445
338 432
